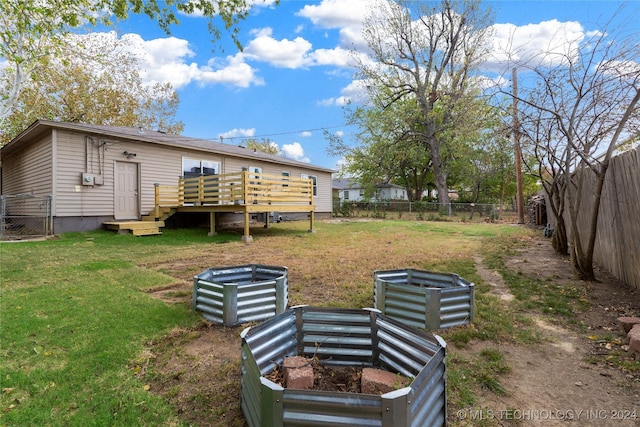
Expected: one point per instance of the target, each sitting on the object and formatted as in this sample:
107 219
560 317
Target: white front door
126 191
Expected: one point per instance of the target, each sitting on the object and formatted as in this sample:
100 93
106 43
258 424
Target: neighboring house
350 190
391 192
97 174
347 190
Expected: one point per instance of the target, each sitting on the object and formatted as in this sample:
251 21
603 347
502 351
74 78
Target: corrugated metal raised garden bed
340 337
241 294
424 299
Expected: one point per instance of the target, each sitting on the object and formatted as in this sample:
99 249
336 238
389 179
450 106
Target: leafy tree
31 30
266 145
427 54
387 149
103 89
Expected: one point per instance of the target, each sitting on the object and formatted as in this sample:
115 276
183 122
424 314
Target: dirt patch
567 379
175 293
198 371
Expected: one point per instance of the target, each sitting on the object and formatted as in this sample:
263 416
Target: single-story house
350 190
97 174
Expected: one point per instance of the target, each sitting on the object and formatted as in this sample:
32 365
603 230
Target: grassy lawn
75 317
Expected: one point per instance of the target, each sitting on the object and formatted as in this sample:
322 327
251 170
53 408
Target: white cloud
546 43
305 134
336 13
233 70
283 53
168 60
339 57
296 53
294 151
345 15
353 92
235 133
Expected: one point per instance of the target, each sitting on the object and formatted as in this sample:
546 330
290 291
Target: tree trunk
559 238
440 177
582 265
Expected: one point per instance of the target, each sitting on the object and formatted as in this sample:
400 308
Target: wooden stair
165 213
137 228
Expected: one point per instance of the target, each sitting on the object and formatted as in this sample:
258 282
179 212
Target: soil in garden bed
327 378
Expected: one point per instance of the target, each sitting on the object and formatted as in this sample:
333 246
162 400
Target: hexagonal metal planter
362 338
424 299
241 294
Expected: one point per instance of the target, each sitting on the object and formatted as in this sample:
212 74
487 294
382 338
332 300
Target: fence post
49 219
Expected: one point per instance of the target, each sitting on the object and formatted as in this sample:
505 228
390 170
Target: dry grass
332 267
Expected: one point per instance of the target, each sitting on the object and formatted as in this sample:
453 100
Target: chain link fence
427 211
25 216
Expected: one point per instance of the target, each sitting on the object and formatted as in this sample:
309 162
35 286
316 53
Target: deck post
212 224
246 237
266 220
156 193
311 230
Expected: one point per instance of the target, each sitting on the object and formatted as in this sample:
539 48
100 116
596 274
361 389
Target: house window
254 173
193 167
285 177
346 194
362 192
315 182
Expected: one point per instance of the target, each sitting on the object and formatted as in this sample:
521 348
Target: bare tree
427 54
584 106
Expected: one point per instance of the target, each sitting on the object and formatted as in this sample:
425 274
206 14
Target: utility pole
518 152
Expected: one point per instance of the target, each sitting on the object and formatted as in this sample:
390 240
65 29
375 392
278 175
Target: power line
282 133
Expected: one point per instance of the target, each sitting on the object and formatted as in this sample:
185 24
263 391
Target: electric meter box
87 178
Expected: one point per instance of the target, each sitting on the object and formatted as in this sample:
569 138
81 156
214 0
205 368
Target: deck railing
240 188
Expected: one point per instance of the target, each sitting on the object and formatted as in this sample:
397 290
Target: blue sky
293 77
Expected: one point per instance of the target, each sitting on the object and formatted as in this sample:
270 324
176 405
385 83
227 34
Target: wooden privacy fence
618 237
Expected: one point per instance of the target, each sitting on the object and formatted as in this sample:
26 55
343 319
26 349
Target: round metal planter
241 294
424 299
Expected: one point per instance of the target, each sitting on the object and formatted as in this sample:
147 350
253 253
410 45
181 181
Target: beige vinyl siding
71 197
323 199
156 164
29 169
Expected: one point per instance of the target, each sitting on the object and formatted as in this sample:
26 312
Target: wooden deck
242 192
